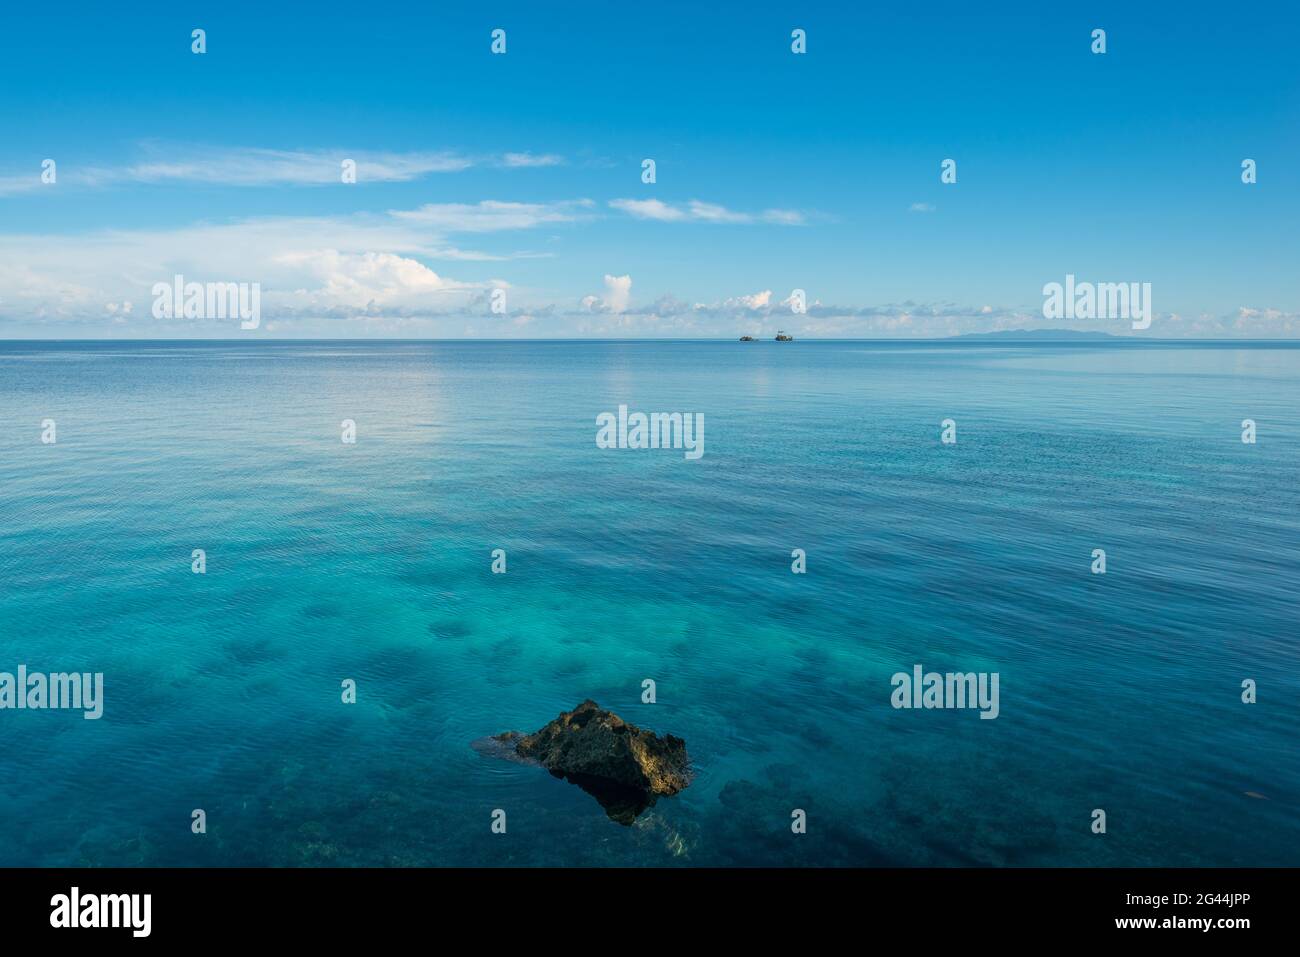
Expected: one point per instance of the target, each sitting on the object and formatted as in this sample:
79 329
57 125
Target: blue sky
523 172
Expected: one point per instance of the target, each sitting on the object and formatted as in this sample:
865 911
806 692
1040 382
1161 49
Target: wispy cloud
492 215
12 185
250 166
256 166
698 211
529 160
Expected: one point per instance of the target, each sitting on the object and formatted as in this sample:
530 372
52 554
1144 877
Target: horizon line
1085 339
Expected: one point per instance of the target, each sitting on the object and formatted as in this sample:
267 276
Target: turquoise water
371 561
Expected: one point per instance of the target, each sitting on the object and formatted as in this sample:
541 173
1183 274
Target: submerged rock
622 766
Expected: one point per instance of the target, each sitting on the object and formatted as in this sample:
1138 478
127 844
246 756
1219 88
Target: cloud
648 209
368 279
713 213
697 211
618 292
332 265
784 217
758 300
530 160
11 185
267 167
921 208
758 314
318 272
258 166
491 215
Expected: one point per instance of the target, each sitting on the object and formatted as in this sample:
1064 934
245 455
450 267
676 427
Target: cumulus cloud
758 300
618 293
328 264
368 279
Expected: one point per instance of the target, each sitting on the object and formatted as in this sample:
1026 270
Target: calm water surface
372 562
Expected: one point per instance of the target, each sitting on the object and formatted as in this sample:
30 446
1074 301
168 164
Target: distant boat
746 338
782 337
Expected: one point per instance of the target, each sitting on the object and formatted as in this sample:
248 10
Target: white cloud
265 167
713 213
370 279
758 300
648 209
11 185
618 293
258 166
618 290
921 208
323 263
491 215
698 211
784 217
530 160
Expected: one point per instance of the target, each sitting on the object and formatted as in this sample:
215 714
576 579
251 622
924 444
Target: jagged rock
622 766
589 740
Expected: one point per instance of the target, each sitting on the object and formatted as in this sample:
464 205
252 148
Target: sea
1163 692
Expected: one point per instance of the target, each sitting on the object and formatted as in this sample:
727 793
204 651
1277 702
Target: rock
622 766
589 740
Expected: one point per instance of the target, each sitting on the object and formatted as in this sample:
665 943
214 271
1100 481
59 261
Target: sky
501 195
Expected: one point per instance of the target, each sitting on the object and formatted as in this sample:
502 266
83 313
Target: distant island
1006 335
1037 334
